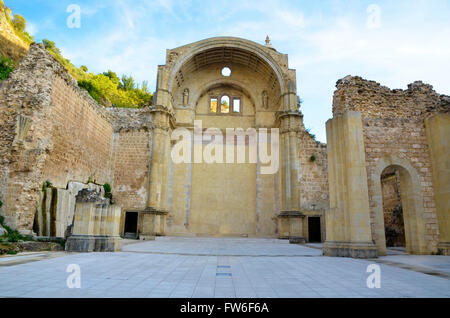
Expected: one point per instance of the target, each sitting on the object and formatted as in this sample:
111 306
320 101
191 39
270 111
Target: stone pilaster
152 223
290 219
438 136
153 218
348 220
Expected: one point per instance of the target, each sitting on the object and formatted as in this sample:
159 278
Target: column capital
163 117
289 121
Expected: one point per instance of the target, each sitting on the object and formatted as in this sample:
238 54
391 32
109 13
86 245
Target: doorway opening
394 226
401 215
131 225
314 232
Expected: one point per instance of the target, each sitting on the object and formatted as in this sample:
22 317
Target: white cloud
291 19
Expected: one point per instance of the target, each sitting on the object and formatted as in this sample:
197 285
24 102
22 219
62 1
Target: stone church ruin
381 179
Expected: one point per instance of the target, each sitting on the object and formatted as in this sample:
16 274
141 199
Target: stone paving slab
145 274
222 246
436 263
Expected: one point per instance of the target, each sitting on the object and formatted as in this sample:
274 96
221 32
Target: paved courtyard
219 267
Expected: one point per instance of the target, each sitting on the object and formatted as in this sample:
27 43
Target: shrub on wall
108 193
47 184
6 67
19 23
107 188
107 90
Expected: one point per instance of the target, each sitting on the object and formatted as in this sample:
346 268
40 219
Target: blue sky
393 42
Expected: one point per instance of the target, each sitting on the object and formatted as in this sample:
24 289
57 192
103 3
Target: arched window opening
225 104
213 105
236 105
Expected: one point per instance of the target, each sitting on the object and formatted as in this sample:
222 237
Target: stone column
153 218
348 220
290 219
438 137
159 163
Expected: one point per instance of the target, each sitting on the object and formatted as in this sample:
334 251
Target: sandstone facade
52 130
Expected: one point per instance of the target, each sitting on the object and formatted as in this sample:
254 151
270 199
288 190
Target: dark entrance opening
394 226
314 230
131 222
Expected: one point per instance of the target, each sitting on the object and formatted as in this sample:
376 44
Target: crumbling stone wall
132 149
314 174
50 129
81 137
393 125
25 128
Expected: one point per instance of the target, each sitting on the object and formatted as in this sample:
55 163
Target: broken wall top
29 88
419 100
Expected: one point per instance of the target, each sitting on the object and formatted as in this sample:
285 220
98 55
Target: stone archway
266 98
221 43
412 202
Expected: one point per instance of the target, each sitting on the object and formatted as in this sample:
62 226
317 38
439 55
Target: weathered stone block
96 224
348 249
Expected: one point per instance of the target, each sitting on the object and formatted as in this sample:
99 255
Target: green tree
8 14
128 83
19 23
84 68
113 77
145 87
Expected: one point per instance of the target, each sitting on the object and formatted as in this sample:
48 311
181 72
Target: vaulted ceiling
226 56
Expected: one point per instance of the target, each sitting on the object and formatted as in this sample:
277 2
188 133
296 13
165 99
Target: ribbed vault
228 56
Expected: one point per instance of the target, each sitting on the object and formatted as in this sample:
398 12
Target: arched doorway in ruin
398 201
394 225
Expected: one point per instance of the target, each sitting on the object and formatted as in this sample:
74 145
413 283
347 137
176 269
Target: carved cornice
288 113
165 110
151 210
289 121
291 214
